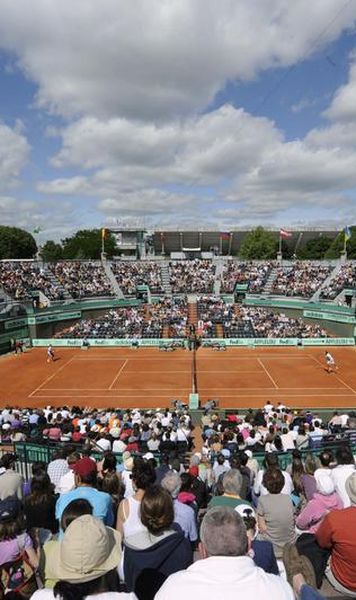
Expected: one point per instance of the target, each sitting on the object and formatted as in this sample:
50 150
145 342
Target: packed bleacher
126 497
267 324
21 279
145 321
300 279
150 320
255 275
129 275
344 279
88 279
82 279
250 322
126 322
192 276
212 311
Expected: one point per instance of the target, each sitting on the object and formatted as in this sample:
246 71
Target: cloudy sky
214 113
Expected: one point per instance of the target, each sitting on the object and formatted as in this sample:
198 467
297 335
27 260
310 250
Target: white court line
200 358
173 392
267 373
51 377
119 373
336 377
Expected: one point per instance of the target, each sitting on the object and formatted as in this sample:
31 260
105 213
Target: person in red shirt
337 533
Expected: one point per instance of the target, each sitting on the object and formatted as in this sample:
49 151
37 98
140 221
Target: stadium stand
255 275
82 279
192 276
21 279
287 473
300 279
344 279
131 274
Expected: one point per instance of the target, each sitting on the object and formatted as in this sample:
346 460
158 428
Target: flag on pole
224 235
284 234
347 234
104 233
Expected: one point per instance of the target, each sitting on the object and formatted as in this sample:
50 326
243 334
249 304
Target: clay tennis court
239 377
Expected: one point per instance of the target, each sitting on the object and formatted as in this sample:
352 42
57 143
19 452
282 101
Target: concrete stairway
166 283
270 280
325 284
192 310
56 283
114 284
219 268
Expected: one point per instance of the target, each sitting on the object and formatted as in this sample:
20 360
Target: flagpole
230 243
279 255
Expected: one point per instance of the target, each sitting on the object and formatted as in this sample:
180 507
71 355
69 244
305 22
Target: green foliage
16 243
315 249
51 251
259 244
86 244
337 245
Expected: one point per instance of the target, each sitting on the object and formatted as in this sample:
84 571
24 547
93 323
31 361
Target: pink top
316 509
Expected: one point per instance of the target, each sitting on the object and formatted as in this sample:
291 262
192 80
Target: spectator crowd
192 276
169 318
344 278
120 517
20 279
254 275
300 279
82 279
131 274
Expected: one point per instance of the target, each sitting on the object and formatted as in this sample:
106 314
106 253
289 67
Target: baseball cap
148 456
84 466
9 508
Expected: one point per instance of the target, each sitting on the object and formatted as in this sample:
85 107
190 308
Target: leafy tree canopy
86 244
51 251
259 244
16 243
315 248
337 245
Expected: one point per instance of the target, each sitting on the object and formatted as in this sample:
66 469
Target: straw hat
88 550
350 486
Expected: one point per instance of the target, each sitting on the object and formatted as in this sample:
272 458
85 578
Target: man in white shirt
226 570
271 461
104 443
287 438
345 467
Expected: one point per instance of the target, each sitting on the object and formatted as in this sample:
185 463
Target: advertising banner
119 342
328 316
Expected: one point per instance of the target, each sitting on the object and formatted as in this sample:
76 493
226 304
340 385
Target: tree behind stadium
86 243
259 244
338 244
16 243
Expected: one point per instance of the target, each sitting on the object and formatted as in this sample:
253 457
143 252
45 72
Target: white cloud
132 80
14 153
303 104
126 155
158 59
56 219
343 106
153 201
